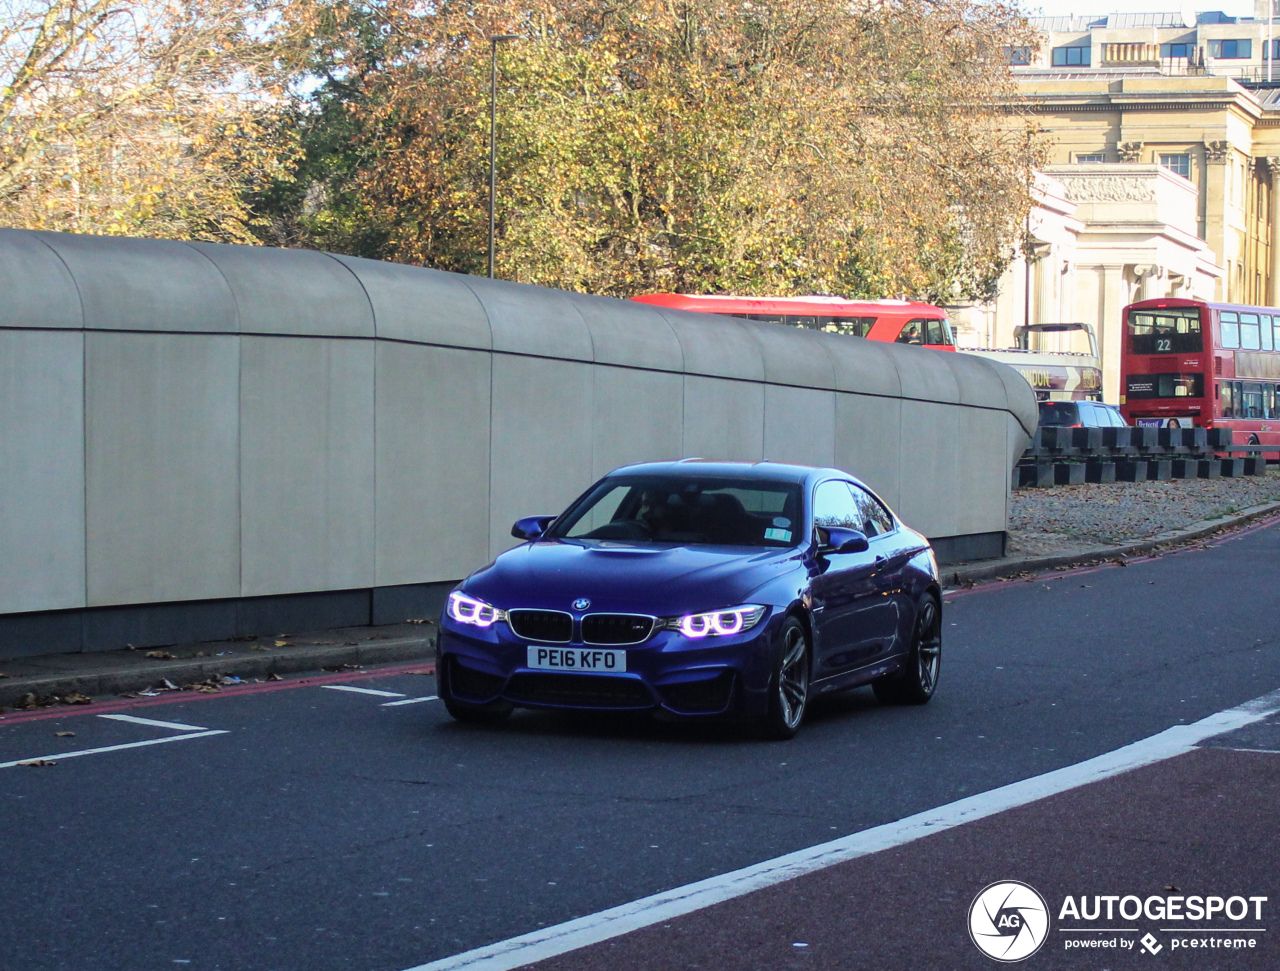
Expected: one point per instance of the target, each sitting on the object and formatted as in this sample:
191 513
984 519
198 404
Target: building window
1018 56
1271 52
1071 56
1091 156
1180 164
1228 49
1177 50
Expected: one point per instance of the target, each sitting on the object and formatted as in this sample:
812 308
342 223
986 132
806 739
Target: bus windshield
1166 330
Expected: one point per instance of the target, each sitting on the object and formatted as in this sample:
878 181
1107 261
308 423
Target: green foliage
776 147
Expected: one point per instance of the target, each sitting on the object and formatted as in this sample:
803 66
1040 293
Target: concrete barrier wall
191 430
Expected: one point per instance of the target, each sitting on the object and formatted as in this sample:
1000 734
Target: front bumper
669 671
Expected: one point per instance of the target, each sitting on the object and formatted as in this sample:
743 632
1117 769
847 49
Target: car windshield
684 511
1059 413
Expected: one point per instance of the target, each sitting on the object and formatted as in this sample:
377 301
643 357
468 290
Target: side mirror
531 527
841 540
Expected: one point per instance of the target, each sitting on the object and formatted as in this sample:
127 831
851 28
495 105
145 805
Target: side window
833 505
875 518
913 332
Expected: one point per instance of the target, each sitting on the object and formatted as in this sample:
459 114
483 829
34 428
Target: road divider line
363 691
408 701
112 748
154 723
549 942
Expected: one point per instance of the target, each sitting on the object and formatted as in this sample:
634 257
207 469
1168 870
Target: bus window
763 318
1230 323
1269 400
807 322
851 326
1252 397
1275 323
937 332
912 333
1266 332
1228 406
1250 339
1172 331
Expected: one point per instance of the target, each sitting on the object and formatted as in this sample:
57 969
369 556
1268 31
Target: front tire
487 714
915 682
789 683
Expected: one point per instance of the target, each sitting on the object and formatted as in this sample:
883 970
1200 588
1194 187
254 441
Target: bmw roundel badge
582 603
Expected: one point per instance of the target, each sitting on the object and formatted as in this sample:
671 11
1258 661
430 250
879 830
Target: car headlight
718 623
469 610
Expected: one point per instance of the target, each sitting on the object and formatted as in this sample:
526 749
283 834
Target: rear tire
915 682
491 713
789 683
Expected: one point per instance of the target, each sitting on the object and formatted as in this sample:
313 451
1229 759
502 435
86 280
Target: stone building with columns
1172 179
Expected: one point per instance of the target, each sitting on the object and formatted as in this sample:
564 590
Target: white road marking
114 748
363 691
550 942
408 701
157 724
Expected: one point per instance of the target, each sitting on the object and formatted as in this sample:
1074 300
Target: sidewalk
67 678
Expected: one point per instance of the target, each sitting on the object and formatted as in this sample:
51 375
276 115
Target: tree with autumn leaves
870 148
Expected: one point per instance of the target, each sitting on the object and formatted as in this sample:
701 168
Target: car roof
696 468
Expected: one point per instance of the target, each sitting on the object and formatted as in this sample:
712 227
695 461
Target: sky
1068 8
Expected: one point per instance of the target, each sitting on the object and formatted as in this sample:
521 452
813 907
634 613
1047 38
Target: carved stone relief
1130 151
1108 188
1216 151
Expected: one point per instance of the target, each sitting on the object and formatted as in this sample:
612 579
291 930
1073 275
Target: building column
1214 193
1113 295
1273 226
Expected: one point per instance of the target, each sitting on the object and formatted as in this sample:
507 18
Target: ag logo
1008 921
582 603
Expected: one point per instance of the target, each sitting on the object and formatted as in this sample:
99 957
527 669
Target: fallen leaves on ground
32 700
65 734
341 667
160 655
38 762
274 677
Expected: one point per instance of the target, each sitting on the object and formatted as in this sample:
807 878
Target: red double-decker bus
1189 363
903 321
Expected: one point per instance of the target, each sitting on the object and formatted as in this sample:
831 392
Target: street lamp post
493 131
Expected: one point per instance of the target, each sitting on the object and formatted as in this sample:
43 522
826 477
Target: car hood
661 580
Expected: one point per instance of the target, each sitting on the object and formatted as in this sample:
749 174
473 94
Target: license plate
577 659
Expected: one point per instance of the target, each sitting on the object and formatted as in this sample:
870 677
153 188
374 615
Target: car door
852 620
893 549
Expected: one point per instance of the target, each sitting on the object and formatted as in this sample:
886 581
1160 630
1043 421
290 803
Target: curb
297 659
1089 554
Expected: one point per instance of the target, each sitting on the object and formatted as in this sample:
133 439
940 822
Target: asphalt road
330 829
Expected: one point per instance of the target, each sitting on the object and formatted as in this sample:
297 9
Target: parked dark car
699 589
1081 414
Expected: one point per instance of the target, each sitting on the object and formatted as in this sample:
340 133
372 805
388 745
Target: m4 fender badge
582 603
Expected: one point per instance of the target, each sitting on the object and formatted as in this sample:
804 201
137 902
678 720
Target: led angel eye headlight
469 610
721 623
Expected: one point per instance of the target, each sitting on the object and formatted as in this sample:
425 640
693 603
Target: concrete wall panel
37 286
979 498
637 416
541 456
934 433
867 433
306 465
863 366
629 334
723 419
926 375
432 409
533 320
413 303
292 291
160 459
716 346
799 425
794 356
145 284
42 470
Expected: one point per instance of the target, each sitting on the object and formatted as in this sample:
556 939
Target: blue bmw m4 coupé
700 589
